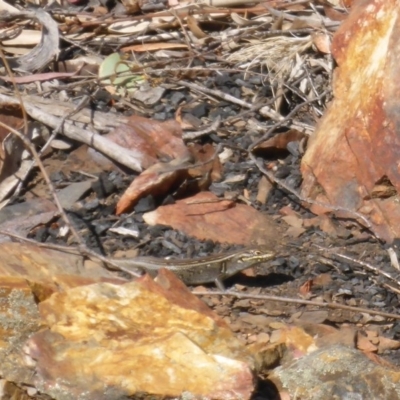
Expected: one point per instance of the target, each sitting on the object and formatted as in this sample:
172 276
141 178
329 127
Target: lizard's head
257 255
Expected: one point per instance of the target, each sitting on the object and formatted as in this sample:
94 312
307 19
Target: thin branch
285 120
129 158
28 144
267 110
191 135
363 264
16 91
303 199
297 301
79 107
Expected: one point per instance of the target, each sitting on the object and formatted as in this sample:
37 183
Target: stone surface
352 160
337 372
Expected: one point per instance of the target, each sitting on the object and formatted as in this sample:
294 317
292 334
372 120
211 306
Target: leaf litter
248 85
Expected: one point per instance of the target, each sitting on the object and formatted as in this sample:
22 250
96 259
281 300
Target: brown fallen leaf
153 140
335 15
288 210
157 180
305 289
312 222
322 279
281 140
326 335
346 336
264 189
153 47
205 216
293 220
322 42
194 26
314 329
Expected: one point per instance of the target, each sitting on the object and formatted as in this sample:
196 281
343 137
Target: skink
198 271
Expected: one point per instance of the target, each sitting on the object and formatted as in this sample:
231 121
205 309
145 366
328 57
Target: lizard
215 268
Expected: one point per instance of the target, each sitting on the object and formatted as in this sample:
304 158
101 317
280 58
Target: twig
16 91
297 301
185 165
38 161
129 158
79 107
29 145
267 110
363 264
224 96
303 199
325 21
185 34
391 288
196 134
285 120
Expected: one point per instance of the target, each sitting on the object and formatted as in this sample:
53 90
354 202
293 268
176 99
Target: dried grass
280 55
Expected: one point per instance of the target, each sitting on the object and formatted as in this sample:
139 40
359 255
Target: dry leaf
293 220
322 42
195 28
281 140
131 6
322 280
205 216
305 288
156 180
264 189
151 139
153 47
